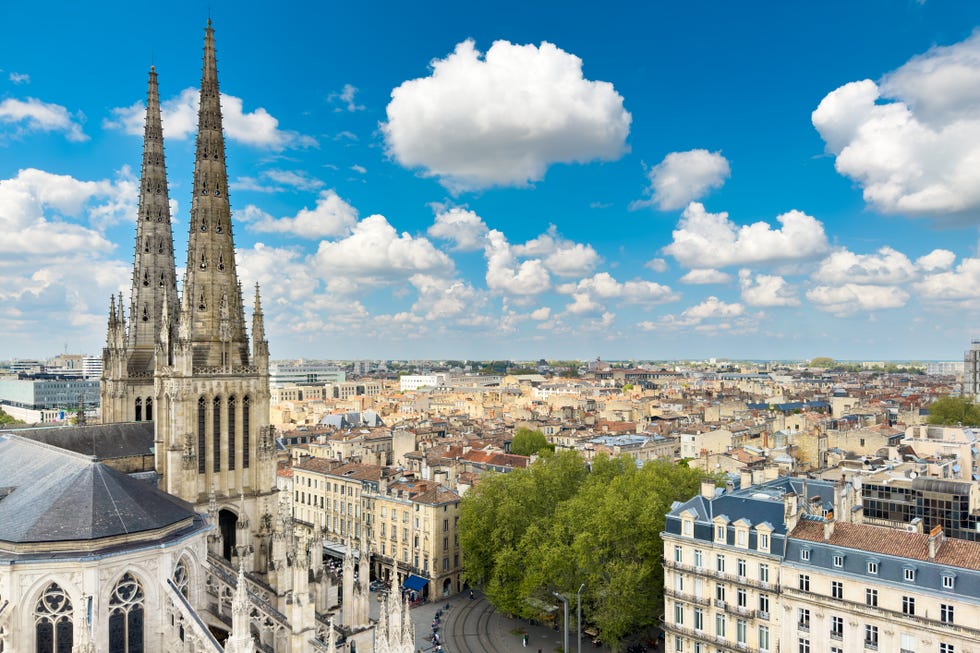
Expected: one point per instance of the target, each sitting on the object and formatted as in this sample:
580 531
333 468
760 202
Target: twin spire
210 312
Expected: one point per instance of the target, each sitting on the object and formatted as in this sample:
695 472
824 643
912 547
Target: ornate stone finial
83 643
331 636
212 501
242 515
240 639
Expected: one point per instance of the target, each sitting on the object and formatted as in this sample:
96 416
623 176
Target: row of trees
954 410
559 524
6 419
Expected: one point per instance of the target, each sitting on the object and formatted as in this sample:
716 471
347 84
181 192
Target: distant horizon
652 180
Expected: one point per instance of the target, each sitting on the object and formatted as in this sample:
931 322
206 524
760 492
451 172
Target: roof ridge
50 447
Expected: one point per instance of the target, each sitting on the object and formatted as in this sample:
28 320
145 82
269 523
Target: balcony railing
937 627
713 640
689 598
731 578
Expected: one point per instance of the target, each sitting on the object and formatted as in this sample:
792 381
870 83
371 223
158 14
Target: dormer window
805 555
763 541
719 533
949 581
909 574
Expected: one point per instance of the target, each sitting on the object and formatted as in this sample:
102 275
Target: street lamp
565 601
578 607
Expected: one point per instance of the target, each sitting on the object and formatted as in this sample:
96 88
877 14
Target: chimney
936 539
828 527
791 510
708 489
729 487
746 478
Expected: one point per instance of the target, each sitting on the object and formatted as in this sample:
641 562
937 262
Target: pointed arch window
53 628
217 227
146 278
204 224
204 261
201 423
181 578
126 616
216 432
161 280
149 409
146 243
146 313
204 188
202 305
231 432
160 247
221 260
139 409
246 419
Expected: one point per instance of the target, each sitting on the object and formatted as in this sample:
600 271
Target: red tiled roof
891 541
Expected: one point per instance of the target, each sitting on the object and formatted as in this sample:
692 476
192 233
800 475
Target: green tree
6 419
822 362
527 442
954 410
554 527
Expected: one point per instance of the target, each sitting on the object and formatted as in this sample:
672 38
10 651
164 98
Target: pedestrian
525 640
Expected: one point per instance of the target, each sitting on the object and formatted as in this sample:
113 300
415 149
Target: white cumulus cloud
561 256
33 115
464 228
374 253
705 276
501 119
683 177
766 290
332 216
257 128
912 141
711 240
506 274
852 298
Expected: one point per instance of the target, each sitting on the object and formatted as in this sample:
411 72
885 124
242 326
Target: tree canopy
557 525
954 410
527 442
7 419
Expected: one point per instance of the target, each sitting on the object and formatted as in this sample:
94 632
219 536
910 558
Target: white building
411 382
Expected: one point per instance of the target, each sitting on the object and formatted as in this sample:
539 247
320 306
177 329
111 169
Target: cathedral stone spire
154 278
217 325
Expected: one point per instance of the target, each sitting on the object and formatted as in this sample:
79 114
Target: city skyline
516 182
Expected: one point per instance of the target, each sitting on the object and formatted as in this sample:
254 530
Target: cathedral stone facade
93 559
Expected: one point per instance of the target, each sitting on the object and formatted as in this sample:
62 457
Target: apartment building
788 566
410 525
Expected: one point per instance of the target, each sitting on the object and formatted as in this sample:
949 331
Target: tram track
467 628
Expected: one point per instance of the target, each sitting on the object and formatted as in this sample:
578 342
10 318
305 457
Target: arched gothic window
231 432
201 423
149 409
139 409
126 616
216 432
53 627
181 578
246 418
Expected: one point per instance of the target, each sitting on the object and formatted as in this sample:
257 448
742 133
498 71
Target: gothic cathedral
186 364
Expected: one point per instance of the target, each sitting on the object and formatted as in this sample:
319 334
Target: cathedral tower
212 430
127 389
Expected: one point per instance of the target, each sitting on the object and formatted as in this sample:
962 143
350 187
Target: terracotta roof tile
893 542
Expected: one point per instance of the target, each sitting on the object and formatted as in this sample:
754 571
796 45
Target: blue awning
414 582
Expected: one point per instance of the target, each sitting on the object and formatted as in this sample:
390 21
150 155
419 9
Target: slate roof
59 495
104 441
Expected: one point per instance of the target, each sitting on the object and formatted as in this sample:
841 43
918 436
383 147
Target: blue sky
516 180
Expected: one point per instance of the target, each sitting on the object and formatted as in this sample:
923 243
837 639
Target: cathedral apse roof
53 495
